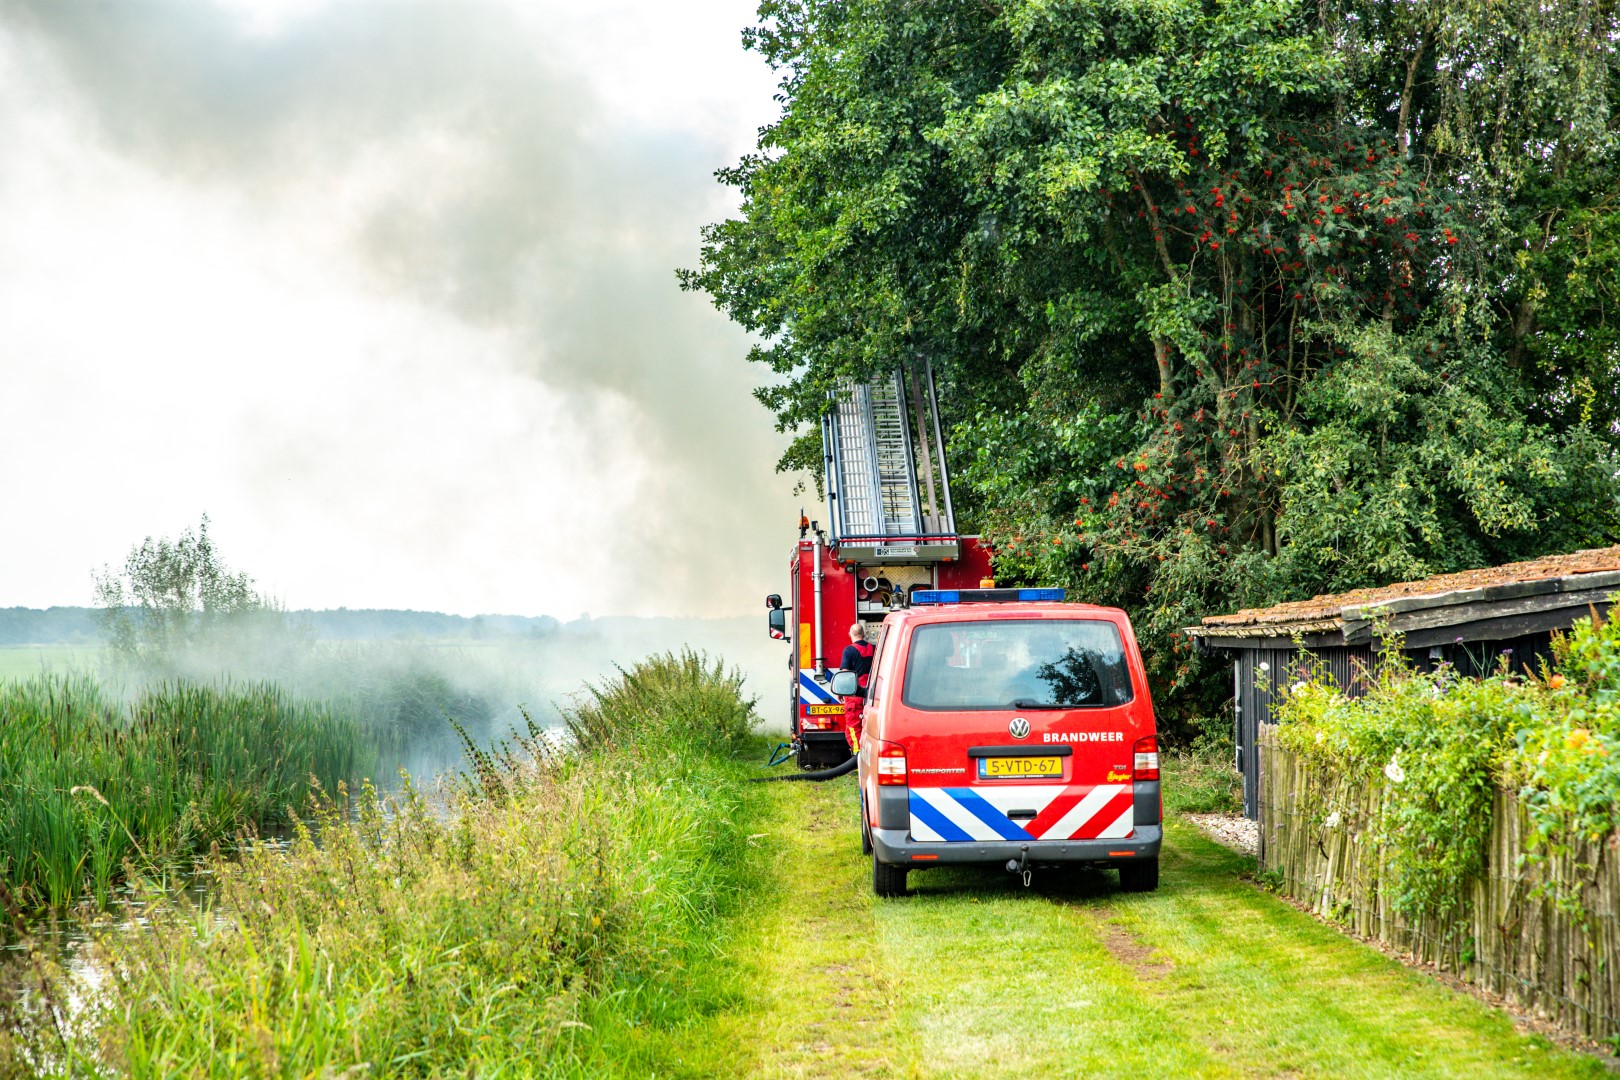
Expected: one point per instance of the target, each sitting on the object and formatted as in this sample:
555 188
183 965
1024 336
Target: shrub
1567 761
664 702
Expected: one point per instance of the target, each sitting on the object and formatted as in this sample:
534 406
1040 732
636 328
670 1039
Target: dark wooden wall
1261 675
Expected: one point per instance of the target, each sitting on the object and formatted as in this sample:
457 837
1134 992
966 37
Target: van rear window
1017 664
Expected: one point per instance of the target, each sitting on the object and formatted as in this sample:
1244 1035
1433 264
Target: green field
21 661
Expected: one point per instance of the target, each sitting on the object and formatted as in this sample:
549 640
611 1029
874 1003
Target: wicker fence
1561 963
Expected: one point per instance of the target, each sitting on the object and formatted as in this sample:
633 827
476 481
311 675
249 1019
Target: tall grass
665 701
564 888
88 782
400 692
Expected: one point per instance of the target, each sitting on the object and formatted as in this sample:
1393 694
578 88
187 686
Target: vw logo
1019 728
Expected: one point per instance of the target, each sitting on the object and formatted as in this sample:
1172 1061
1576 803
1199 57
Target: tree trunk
1524 313
1402 269
1158 231
1161 356
1403 136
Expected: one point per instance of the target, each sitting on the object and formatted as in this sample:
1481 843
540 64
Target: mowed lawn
974 975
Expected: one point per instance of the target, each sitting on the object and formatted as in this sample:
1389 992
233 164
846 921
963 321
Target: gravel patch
1233 830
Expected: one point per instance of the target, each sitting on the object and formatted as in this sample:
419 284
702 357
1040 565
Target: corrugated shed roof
1325 612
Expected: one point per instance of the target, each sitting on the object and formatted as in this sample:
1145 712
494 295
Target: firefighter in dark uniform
857 658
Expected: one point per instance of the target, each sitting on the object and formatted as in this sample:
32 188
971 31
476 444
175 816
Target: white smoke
388 290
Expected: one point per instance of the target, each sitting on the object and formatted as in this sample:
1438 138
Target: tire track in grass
975 976
1025 982
835 1006
1207 977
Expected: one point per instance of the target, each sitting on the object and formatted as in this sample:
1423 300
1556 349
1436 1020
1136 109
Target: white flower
1394 771
1297 687
1321 737
1333 821
1264 666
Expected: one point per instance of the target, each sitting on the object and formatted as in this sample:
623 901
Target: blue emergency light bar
982 596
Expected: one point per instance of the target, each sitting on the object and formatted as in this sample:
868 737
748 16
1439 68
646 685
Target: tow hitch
1020 865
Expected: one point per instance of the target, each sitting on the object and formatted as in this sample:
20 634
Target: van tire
887 880
1139 876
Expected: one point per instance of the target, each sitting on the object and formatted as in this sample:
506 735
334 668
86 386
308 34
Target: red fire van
1005 726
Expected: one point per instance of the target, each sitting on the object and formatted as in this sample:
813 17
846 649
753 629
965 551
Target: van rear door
1019 729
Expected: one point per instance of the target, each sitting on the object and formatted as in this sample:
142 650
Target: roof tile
1329 607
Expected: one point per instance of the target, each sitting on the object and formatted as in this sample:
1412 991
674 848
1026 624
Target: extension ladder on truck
888 494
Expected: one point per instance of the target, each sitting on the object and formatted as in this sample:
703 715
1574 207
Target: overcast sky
387 289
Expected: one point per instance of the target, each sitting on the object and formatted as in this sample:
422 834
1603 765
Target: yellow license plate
824 710
991 768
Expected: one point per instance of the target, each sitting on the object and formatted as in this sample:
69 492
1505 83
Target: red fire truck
891 532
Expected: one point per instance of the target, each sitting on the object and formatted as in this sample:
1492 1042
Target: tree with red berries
1233 302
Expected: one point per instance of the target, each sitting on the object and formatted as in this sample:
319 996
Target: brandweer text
1083 736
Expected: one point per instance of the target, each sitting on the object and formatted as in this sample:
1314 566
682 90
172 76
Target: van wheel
888 880
1139 876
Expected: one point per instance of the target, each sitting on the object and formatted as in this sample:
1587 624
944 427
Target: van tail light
1146 766
891 764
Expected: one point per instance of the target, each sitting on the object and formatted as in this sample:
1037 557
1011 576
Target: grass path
974 975
821 1002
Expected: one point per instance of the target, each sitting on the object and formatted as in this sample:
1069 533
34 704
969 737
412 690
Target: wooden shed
1468 620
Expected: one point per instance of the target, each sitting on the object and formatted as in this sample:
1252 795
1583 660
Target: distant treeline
51 626
84 625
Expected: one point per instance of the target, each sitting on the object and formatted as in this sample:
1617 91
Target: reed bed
92 784
562 908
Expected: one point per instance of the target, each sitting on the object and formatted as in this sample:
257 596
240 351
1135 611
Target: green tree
1233 300
171 594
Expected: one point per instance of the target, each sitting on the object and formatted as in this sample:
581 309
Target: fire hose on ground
816 775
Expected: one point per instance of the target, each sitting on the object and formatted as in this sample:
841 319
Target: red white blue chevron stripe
813 693
1061 812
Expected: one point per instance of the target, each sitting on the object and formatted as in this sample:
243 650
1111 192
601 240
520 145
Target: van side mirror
846 684
776 620
774 601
